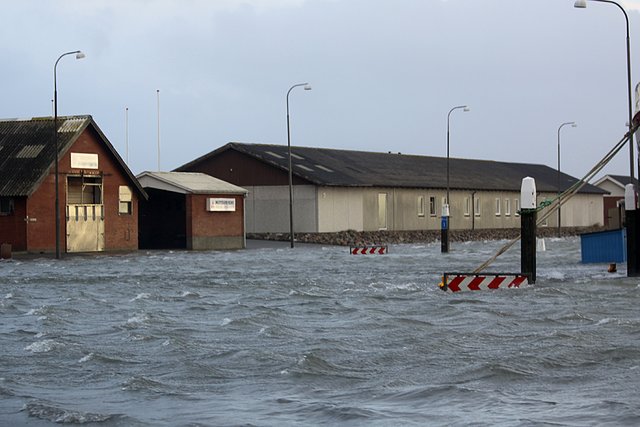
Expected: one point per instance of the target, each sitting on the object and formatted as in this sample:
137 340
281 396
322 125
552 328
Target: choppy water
315 336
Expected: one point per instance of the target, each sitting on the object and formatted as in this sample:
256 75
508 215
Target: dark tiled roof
27 151
331 167
624 179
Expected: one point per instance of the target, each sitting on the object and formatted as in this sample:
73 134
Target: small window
432 206
124 200
498 205
507 207
420 205
276 155
84 190
324 168
476 208
306 168
517 205
6 206
467 206
29 152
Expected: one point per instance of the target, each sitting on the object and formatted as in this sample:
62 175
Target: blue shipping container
604 246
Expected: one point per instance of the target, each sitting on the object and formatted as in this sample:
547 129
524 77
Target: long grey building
337 190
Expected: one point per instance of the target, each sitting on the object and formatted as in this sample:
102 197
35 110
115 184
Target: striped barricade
458 282
368 250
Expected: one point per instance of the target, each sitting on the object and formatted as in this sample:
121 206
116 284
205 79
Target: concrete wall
340 208
267 209
583 210
360 209
409 209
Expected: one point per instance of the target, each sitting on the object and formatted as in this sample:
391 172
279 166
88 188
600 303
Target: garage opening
163 220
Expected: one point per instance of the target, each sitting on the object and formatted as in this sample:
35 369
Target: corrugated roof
27 151
333 167
188 182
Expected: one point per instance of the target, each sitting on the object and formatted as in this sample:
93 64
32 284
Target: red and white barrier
368 250
458 282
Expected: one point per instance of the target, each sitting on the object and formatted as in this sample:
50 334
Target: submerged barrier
458 282
368 250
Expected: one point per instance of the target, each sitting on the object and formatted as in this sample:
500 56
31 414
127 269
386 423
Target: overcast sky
384 74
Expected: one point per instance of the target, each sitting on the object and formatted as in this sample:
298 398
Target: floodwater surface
274 336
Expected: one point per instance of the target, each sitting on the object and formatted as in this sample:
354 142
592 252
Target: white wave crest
137 319
86 358
44 346
142 295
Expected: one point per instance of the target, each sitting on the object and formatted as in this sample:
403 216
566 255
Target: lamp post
632 262
573 124
291 236
79 55
582 4
444 241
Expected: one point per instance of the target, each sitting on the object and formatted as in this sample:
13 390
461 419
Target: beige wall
612 188
329 209
339 209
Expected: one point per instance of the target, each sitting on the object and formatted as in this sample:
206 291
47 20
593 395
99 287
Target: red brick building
191 211
98 194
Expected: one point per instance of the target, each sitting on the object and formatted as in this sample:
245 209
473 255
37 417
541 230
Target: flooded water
315 336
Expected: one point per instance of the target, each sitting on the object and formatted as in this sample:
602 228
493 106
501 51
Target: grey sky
384 74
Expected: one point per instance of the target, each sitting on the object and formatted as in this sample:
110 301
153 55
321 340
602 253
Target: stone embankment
360 238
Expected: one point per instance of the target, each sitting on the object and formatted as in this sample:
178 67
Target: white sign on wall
216 204
84 161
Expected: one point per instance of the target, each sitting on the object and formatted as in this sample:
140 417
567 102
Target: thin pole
158 102
444 244
558 177
291 234
55 144
126 134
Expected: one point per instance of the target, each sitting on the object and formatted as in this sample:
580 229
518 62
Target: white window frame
420 206
507 207
125 201
467 206
432 206
517 207
498 206
477 208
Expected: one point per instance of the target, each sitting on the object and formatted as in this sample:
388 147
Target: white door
85 228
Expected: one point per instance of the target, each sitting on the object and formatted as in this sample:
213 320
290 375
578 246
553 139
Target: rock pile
360 238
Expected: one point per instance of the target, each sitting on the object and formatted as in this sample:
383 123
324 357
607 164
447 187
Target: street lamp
582 4
444 247
306 86
573 124
79 55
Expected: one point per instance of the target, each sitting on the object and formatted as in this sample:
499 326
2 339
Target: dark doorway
162 220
